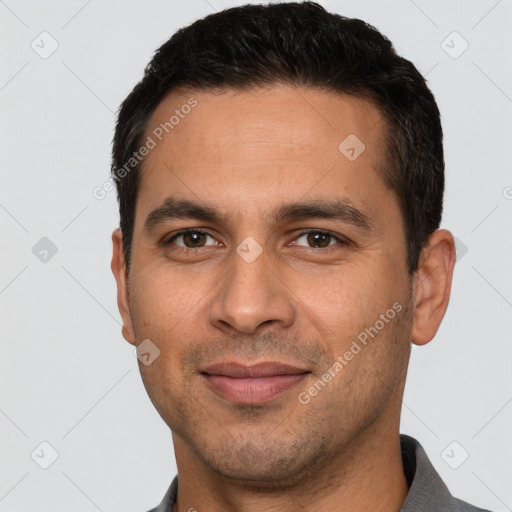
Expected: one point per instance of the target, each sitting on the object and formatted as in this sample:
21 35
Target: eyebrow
341 210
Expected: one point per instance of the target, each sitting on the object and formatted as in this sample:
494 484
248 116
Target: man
280 178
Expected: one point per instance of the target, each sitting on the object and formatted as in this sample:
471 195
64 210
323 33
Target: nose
251 295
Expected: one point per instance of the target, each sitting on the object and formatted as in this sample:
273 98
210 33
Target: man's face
251 287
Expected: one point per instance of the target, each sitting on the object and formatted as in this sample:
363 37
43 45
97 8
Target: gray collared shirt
427 492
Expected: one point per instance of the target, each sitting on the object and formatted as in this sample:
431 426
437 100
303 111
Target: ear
432 286
118 267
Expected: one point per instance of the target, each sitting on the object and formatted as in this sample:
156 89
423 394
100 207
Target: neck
366 475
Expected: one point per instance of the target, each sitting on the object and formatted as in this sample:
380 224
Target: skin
247 153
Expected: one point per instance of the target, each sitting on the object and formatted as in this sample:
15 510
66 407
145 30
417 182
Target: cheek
346 305
169 309
342 302
162 300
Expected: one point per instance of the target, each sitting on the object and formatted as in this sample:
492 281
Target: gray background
69 378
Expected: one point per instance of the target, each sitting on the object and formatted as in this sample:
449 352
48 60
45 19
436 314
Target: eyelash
342 241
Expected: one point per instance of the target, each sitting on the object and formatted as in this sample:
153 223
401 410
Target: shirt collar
425 484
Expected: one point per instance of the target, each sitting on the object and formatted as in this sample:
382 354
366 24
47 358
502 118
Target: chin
264 464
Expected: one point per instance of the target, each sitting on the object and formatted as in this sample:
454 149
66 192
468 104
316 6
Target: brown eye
319 239
190 239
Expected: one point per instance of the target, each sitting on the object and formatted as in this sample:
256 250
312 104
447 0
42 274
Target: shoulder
167 503
427 491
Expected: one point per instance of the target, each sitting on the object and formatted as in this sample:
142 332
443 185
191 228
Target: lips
252 384
240 371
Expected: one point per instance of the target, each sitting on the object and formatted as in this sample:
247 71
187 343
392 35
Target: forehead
280 114
254 149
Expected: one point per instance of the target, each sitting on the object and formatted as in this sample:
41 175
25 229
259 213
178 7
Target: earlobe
432 286
118 267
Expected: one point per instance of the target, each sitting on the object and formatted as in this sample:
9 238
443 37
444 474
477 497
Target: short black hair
299 44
